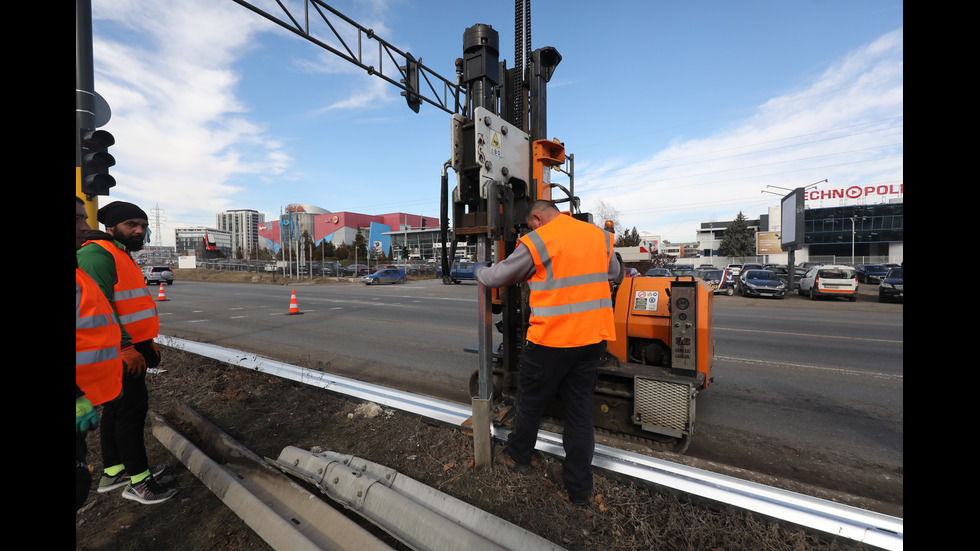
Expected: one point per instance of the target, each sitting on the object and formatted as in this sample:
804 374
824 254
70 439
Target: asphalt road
805 389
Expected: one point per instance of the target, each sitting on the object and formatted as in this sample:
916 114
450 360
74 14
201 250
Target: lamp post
853 231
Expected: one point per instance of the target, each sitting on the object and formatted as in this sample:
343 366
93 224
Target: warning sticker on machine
646 300
495 145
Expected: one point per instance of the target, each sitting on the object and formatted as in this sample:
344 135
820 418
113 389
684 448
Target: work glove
86 417
150 352
133 362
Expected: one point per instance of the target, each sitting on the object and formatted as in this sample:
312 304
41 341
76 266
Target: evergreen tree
341 252
739 239
360 247
629 238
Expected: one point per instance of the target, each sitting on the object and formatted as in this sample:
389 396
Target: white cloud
845 126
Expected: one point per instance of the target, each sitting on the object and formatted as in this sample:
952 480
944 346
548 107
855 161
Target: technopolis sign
875 193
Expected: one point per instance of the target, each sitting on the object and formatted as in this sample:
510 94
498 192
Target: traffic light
96 161
411 81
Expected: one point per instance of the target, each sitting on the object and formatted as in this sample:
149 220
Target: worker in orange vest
568 265
98 365
106 257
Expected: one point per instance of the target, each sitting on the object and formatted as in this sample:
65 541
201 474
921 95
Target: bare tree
604 211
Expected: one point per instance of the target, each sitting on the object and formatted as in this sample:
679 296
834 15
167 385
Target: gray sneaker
109 483
148 492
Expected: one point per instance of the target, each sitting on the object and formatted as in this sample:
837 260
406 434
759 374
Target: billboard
791 216
768 243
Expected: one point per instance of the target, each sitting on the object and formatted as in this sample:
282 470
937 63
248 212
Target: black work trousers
571 373
123 421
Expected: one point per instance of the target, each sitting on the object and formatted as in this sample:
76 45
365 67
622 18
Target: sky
676 113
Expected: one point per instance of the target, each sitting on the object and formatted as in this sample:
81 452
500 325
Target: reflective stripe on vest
570 304
131 299
98 366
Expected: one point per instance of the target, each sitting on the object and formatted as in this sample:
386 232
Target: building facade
849 233
203 243
243 225
300 221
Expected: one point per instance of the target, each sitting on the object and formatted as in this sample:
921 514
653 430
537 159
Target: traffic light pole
84 96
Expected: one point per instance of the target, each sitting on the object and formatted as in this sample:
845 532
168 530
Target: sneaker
109 483
501 456
555 475
148 492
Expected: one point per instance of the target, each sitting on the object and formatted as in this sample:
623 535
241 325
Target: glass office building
872 230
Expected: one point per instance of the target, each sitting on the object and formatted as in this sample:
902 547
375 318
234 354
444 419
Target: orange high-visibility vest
132 301
98 366
570 300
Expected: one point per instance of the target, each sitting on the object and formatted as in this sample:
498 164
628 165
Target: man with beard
106 258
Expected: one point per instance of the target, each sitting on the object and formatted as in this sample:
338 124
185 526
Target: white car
830 281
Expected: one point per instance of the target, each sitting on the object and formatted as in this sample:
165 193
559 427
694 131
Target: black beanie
119 211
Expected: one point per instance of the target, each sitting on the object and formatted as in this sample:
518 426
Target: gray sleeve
613 267
516 268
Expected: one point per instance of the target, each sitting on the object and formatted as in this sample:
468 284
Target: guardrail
875 529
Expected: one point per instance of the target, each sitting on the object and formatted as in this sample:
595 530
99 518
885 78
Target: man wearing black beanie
106 258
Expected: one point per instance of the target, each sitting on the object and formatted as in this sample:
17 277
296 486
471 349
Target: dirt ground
267 414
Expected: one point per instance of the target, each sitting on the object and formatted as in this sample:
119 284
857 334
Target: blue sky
677 113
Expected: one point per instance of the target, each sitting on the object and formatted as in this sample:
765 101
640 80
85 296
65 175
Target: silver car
158 275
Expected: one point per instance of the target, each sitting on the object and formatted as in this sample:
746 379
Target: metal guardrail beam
875 529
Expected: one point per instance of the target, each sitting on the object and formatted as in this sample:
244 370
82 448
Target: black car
761 283
891 286
871 273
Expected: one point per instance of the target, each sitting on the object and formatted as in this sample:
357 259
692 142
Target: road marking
834 370
811 335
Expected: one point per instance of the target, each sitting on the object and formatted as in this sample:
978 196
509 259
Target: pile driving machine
663 354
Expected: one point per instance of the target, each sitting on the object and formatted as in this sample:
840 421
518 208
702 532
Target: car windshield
895 273
711 274
876 268
762 275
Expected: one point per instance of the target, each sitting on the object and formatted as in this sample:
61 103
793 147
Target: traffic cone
293 306
161 296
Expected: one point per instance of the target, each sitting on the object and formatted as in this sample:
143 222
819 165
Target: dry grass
267 414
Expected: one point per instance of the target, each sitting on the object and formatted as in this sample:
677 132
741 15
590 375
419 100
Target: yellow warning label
495 142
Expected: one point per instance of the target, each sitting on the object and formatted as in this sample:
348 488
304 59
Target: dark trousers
571 373
123 421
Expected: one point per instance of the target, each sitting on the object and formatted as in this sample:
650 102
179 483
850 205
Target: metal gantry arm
450 93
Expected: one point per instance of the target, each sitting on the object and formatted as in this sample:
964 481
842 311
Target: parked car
734 269
681 271
158 275
720 281
830 281
740 277
462 271
631 272
781 271
871 273
385 275
891 286
804 267
762 283
355 270
657 272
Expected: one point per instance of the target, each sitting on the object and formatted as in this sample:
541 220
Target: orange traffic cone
293 306
161 296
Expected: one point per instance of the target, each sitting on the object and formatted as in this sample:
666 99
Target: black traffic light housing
411 81
96 161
